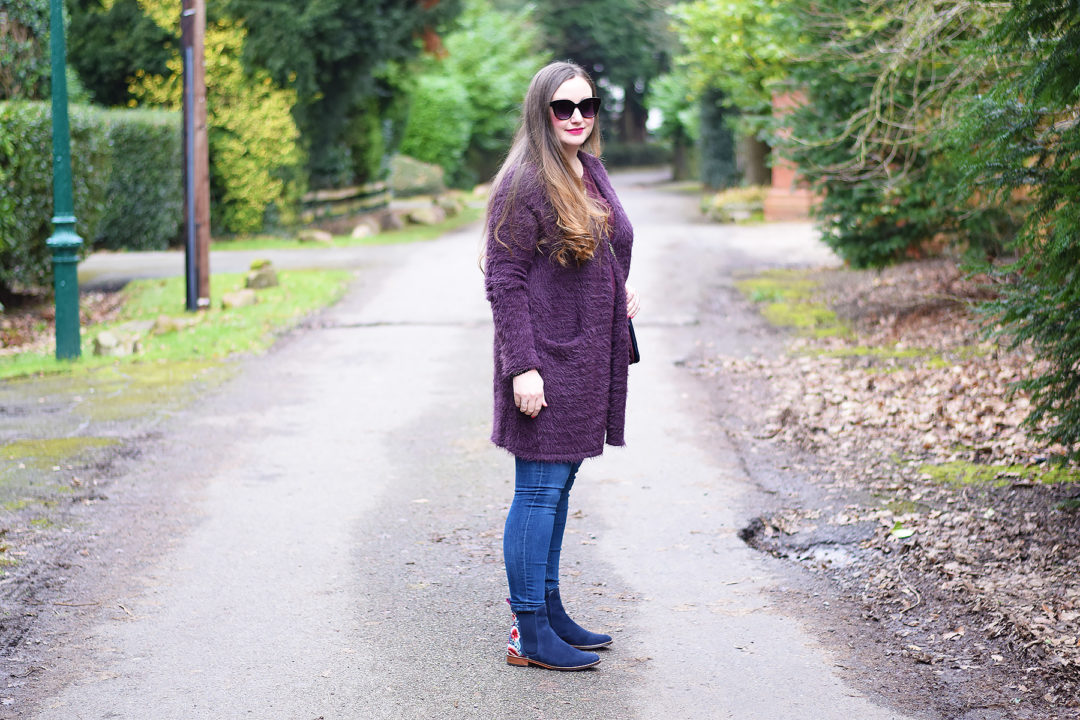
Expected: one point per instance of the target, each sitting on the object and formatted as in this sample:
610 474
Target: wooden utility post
196 156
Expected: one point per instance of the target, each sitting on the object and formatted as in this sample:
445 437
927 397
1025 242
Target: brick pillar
788 198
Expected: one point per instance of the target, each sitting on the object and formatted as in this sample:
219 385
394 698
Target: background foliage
624 44
490 58
24 50
109 41
254 152
335 55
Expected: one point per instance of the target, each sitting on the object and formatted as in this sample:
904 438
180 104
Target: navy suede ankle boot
571 633
533 642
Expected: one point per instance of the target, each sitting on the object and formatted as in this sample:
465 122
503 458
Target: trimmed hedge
126 169
145 192
26 186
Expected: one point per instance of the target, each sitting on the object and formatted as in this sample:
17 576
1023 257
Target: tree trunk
753 157
718 166
681 157
634 114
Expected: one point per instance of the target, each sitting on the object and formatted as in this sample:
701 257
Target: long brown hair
580 218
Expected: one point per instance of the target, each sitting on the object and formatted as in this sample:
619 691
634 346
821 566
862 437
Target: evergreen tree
1025 135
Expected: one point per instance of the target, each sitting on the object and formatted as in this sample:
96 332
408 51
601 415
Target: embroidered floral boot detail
533 642
572 633
513 645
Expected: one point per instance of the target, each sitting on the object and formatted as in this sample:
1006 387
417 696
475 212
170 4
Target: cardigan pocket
568 380
561 350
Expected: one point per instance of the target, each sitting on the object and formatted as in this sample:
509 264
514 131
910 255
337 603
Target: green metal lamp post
64 242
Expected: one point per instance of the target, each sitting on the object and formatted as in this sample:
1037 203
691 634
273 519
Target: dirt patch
914 489
27 325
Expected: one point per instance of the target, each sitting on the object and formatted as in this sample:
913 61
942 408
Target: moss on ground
962 473
789 301
47 453
123 392
898 506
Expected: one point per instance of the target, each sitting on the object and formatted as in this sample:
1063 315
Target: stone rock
262 275
166 324
410 177
117 343
451 203
239 299
363 229
391 221
427 215
319 237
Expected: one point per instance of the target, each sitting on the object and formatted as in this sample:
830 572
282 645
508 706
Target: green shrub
125 181
145 192
439 124
871 135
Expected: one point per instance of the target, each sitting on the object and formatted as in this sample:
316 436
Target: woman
556 261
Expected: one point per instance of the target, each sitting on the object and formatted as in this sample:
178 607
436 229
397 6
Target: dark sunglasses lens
563 109
589 107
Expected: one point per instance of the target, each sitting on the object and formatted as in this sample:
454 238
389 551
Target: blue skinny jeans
532 538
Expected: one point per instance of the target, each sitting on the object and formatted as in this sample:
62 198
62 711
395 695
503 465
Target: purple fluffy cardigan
567 322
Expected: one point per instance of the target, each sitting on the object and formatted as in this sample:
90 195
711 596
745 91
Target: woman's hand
529 392
633 302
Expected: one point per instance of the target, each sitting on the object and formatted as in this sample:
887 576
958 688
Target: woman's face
573 132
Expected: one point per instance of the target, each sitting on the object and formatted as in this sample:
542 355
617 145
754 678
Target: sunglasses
564 109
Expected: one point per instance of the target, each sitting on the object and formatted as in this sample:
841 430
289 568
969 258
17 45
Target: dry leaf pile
970 554
30 327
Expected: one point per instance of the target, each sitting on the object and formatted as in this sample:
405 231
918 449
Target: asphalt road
340 551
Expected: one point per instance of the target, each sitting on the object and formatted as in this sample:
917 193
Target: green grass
217 334
410 234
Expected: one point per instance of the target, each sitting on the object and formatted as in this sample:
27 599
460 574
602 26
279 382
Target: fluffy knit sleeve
508 261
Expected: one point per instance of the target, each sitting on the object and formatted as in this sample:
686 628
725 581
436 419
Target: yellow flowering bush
255 158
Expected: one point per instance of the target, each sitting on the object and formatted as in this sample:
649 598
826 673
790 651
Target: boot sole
525 662
593 647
